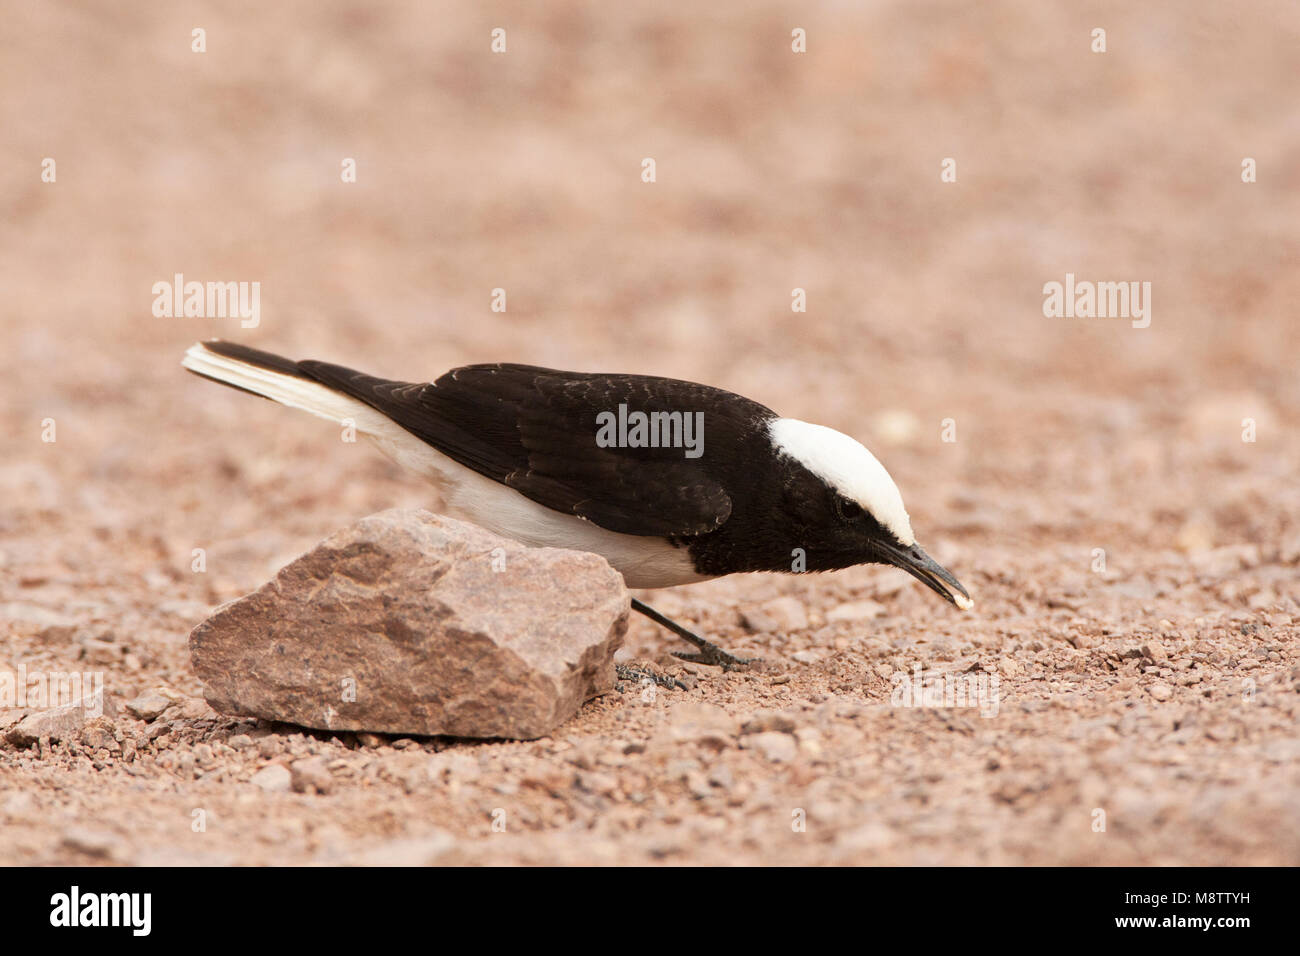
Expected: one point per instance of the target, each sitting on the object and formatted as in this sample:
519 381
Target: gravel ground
1136 635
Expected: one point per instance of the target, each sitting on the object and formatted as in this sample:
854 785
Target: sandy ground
1134 560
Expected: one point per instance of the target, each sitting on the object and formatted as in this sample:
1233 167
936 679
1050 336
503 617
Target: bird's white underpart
848 467
644 562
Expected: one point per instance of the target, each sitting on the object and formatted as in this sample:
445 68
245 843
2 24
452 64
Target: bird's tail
281 380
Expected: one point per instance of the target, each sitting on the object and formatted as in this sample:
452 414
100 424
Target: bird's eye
847 509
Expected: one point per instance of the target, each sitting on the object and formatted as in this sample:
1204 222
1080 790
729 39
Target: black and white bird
519 450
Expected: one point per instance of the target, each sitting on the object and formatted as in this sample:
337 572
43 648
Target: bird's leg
709 653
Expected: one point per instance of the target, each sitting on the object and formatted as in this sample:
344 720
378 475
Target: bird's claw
714 656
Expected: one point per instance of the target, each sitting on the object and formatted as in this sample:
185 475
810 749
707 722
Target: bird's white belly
644 561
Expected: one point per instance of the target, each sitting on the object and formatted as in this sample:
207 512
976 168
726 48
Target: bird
672 482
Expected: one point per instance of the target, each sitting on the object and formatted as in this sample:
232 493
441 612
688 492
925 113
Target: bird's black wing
534 430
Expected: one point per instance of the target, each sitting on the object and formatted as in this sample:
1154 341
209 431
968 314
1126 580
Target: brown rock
695 723
103 653
50 627
766 720
413 623
772 744
855 611
99 733
311 774
189 708
1154 651
273 778
149 705
1160 691
59 723
779 615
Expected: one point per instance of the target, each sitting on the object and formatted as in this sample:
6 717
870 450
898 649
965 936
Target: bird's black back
534 429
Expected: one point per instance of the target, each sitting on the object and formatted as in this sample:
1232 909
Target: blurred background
775 171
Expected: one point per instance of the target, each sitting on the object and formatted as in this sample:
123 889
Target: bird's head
850 510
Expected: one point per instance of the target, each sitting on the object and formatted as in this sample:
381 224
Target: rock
856 611
779 615
720 775
103 653
698 785
274 778
60 723
412 770
772 744
8 718
810 741
149 705
50 627
695 723
1160 691
189 708
593 781
463 768
311 774
1154 651
765 720
413 623
98 734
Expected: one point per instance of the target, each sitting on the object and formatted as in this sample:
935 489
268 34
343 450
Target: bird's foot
641 676
708 653
714 656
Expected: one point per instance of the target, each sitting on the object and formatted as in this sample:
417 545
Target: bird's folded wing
535 430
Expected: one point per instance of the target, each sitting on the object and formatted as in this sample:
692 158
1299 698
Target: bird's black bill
930 573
